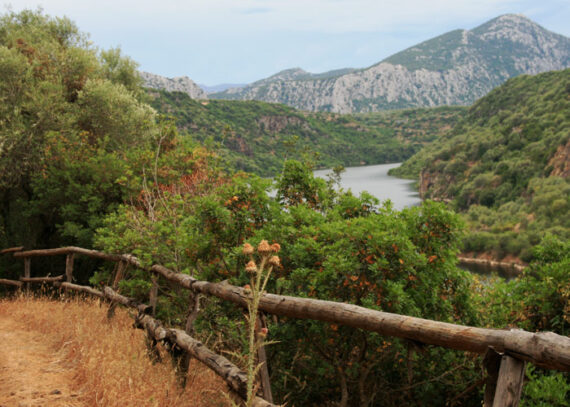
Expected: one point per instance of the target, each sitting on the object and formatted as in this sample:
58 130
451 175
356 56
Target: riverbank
486 265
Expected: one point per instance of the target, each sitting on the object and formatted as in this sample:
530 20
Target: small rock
55 392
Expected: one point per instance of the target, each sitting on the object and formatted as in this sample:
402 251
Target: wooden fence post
27 270
492 363
262 358
69 267
510 382
154 294
152 344
120 269
184 362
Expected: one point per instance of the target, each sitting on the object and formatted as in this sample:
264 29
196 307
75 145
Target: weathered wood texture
68 250
262 359
153 295
492 363
510 382
69 267
11 282
12 250
120 269
111 295
544 349
41 279
27 267
27 270
80 288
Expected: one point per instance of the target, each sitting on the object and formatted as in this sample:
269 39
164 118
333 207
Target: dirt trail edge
32 373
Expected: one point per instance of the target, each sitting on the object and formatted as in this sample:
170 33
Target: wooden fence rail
545 349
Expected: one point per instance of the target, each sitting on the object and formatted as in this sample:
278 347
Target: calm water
375 180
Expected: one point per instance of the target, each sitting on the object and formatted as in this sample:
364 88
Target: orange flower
275 261
263 247
251 267
275 247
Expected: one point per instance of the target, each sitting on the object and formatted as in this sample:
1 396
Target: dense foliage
505 165
71 118
335 246
257 137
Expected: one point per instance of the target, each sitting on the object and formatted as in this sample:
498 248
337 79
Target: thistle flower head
247 249
247 289
263 247
251 267
275 247
263 332
275 261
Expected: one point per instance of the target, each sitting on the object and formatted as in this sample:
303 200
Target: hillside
455 68
257 137
506 164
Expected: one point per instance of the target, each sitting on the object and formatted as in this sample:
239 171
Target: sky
241 41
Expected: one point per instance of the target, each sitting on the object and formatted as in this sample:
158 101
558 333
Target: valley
222 195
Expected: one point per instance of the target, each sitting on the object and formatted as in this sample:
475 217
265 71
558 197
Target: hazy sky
240 41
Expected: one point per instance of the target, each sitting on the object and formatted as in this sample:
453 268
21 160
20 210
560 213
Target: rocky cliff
453 69
180 84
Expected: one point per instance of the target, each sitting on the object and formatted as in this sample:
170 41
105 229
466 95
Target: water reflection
505 272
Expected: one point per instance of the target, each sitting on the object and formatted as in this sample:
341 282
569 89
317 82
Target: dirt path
32 374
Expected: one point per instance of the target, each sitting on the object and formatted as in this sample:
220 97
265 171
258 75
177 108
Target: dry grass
109 360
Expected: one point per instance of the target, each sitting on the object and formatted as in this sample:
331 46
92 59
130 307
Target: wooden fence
506 351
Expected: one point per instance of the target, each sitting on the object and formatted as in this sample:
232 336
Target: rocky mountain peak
455 68
177 84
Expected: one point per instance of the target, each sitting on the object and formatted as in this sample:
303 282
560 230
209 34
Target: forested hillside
257 136
506 165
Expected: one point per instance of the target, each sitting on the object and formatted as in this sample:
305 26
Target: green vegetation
85 161
504 166
334 246
71 121
257 137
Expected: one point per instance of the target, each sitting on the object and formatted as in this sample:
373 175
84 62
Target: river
375 180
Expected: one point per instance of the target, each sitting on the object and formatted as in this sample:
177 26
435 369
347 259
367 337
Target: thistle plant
259 276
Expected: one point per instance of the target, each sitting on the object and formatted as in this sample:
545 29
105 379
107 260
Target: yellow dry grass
106 361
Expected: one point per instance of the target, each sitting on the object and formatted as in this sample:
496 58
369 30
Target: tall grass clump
109 358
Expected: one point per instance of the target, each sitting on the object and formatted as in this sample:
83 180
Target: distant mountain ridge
455 68
221 87
178 84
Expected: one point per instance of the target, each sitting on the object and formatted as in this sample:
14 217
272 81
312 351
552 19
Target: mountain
506 165
221 87
178 84
455 68
258 137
